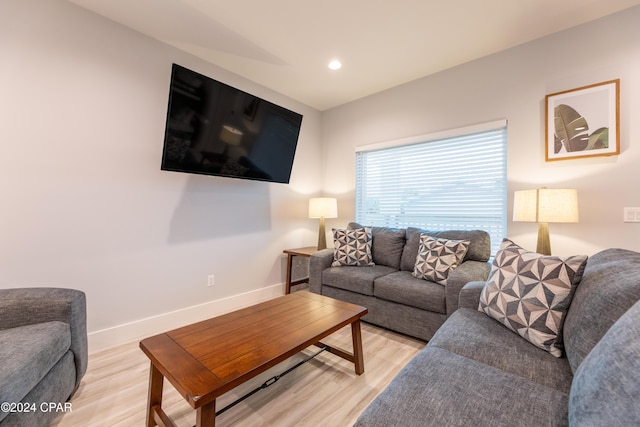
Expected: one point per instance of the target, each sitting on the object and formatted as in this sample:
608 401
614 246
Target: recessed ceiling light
335 64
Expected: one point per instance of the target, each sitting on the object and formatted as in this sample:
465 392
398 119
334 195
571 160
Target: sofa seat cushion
606 389
403 288
27 354
475 335
354 279
55 387
439 388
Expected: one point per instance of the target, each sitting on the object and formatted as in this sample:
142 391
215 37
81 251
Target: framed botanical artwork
583 122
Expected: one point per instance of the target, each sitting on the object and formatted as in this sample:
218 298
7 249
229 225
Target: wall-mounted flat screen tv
215 129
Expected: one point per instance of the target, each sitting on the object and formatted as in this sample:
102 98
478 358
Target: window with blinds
453 182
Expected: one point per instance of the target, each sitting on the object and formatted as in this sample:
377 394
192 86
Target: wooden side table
304 252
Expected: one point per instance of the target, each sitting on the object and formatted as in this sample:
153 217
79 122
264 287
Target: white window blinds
455 182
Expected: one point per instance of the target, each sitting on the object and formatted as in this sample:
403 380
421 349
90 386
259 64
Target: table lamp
323 207
545 205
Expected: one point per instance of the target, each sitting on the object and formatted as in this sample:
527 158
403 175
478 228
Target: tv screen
215 129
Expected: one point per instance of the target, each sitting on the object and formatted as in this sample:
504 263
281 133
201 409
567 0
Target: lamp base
544 245
322 235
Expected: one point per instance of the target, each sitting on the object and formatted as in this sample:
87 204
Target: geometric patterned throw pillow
352 247
438 257
530 293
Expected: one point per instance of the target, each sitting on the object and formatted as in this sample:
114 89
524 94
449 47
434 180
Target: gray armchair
43 349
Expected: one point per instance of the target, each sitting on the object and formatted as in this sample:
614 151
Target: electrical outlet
631 214
210 280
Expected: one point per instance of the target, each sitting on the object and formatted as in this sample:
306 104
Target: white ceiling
286 45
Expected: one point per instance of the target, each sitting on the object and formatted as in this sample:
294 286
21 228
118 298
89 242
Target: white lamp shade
323 207
546 205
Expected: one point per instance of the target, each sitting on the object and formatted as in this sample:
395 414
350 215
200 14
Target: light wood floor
325 391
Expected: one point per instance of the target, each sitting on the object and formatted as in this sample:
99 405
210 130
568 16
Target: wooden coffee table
207 359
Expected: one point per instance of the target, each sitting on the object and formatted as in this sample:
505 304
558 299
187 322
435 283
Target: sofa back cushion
606 388
479 244
609 287
387 245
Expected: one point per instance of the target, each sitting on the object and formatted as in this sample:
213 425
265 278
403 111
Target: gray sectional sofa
395 298
476 372
43 352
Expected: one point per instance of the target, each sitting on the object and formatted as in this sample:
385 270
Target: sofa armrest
28 306
470 295
317 263
468 271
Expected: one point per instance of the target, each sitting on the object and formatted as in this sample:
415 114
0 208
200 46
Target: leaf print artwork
572 132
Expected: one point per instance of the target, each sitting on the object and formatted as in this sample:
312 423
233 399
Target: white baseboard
135 331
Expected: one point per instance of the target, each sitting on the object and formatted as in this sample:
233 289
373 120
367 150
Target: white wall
84 202
513 85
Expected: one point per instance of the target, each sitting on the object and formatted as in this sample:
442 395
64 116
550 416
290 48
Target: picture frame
583 122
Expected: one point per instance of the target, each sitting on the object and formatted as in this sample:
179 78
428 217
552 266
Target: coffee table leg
206 415
358 357
156 381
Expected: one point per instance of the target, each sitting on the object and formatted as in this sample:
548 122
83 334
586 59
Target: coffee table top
206 359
